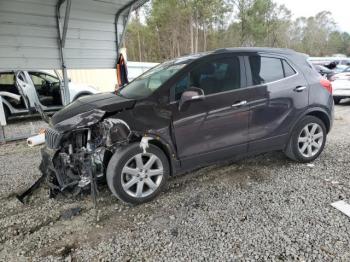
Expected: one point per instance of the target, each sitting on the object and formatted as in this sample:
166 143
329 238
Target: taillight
327 84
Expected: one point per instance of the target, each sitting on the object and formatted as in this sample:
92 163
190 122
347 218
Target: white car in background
341 89
22 90
342 74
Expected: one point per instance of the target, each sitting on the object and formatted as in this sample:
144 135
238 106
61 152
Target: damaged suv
185 114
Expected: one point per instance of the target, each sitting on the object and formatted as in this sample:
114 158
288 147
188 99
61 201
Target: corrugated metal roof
29 36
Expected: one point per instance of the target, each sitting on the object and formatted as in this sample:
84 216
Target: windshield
150 81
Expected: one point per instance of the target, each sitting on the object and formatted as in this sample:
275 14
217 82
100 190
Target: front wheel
136 177
307 140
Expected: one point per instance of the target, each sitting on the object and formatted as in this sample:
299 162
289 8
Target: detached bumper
46 168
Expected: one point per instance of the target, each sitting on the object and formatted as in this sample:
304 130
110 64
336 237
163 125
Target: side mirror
192 94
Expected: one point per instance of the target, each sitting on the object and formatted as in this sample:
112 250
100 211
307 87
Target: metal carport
66 34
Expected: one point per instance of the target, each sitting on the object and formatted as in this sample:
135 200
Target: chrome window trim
254 86
276 81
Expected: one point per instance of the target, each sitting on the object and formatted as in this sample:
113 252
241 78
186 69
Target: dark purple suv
188 113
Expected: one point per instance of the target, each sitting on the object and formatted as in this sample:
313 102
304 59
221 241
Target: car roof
255 50
191 57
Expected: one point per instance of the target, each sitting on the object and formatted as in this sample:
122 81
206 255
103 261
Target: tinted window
180 87
288 70
213 77
265 69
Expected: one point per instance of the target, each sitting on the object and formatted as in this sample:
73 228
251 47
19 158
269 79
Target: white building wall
105 80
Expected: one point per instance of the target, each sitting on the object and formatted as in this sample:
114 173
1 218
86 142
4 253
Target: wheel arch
316 112
167 150
322 116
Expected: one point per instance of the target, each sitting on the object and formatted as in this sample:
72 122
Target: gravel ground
261 208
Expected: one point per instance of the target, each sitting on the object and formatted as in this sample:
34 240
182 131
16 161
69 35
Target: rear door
279 96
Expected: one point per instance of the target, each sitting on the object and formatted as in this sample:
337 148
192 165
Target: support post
62 35
127 18
119 41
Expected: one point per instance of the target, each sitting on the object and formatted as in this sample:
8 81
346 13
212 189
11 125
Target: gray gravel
261 208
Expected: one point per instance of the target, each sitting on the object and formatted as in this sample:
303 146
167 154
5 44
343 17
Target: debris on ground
342 206
70 213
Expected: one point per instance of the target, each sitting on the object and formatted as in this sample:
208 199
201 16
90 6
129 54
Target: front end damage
77 152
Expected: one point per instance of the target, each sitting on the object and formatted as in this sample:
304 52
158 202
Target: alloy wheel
142 175
310 140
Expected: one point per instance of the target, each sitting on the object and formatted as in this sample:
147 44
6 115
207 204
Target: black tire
292 151
120 159
337 100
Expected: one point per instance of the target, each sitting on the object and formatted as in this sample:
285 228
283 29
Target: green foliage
172 28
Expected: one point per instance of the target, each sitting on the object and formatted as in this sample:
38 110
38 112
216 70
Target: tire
303 138
126 159
336 100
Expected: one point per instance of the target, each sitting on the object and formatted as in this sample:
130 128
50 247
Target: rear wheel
136 177
336 100
308 140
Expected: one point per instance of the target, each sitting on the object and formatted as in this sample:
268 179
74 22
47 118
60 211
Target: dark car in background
324 71
188 113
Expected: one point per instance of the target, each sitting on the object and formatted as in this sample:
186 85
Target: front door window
216 76
47 88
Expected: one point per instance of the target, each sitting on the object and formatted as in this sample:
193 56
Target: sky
340 10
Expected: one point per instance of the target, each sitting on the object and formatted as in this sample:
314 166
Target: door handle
300 88
241 103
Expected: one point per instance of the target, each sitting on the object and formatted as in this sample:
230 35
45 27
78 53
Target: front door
27 90
216 127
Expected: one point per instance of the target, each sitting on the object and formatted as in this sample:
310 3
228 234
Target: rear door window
269 69
288 70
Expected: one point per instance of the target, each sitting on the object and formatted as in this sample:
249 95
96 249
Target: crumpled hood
107 102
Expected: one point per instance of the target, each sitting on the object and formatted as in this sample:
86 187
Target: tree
173 28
